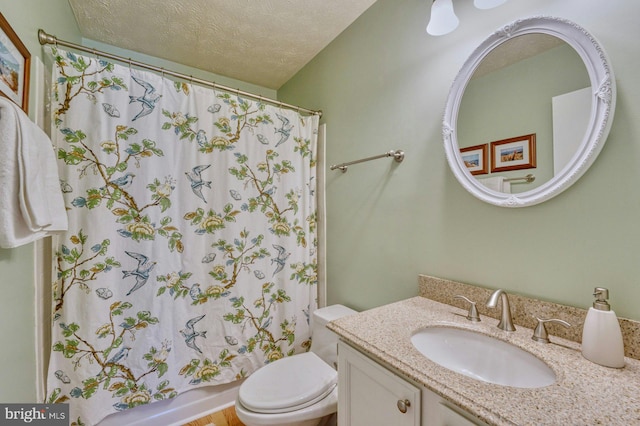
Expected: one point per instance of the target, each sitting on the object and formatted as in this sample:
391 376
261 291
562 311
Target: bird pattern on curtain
190 258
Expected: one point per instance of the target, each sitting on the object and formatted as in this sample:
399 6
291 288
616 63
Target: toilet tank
324 342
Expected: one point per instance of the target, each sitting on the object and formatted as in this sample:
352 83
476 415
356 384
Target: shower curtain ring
129 64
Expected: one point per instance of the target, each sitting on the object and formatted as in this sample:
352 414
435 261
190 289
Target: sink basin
482 357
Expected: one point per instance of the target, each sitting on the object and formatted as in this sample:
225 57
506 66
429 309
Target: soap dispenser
601 335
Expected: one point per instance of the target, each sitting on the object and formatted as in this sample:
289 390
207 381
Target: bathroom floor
226 417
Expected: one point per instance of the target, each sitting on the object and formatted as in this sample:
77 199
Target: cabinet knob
403 405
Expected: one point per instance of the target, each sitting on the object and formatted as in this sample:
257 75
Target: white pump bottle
601 335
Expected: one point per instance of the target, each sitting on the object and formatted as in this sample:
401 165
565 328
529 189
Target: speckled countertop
584 393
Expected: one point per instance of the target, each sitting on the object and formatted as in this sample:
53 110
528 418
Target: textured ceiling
516 49
264 42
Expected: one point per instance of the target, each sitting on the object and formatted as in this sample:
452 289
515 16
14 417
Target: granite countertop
584 393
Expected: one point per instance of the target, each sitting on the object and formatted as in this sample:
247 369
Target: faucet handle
472 315
540 333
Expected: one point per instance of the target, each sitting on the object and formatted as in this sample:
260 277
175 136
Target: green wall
383 85
17 307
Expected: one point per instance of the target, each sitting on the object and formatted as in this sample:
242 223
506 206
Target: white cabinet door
371 395
438 412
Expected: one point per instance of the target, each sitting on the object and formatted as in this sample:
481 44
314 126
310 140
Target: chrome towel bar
528 178
397 155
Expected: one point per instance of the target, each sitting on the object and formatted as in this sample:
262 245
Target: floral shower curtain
190 258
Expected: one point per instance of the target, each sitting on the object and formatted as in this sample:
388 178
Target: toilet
300 390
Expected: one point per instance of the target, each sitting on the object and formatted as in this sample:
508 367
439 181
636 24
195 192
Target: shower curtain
190 258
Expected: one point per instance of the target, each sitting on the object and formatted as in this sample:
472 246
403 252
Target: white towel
497 183
31 204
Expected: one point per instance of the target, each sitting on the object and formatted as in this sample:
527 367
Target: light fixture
443 18
487 4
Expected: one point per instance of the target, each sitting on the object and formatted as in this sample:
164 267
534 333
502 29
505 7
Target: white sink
482 357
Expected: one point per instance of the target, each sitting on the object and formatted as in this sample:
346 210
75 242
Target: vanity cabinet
371 395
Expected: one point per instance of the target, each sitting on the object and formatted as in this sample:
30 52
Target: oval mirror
529 112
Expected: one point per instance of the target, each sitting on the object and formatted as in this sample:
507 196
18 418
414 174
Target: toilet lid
288 384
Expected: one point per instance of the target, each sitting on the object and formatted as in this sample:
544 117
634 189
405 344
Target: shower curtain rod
45 38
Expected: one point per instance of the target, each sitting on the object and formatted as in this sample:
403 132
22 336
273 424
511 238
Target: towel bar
528 178
397 155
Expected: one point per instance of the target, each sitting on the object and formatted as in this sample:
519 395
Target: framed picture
475 158
514 153
15 62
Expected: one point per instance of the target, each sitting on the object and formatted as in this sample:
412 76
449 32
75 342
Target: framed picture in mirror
15 62
475 158
513 153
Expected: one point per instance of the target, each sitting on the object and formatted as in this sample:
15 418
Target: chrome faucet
506 322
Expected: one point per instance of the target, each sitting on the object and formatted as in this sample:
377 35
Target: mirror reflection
524 113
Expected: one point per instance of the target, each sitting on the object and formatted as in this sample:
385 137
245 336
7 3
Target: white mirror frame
602 109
